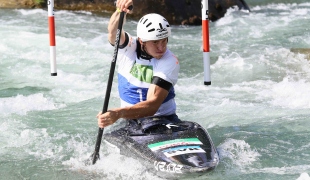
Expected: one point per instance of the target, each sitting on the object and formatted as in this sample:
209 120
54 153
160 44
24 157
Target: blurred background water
256 110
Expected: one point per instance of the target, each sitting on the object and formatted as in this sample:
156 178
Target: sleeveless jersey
135 76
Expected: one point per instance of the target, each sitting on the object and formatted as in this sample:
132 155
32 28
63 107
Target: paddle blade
95 156
92 159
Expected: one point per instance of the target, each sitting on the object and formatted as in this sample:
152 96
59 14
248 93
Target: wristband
118 10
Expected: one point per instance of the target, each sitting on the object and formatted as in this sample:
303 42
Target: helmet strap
141 52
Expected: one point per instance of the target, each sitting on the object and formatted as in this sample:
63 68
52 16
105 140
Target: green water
256 110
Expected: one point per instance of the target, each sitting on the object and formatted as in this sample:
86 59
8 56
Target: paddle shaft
95 155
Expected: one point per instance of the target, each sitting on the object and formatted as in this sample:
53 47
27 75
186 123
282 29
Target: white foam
233 60
238 152
3 47
84 12
284 170
110 165
228 17
22 104
289 94
77 87
27 12
303 176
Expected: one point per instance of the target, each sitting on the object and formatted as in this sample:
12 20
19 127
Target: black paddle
95 155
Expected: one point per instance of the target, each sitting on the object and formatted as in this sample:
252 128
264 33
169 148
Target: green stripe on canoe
187 140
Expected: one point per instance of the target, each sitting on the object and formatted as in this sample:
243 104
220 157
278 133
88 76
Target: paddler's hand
107 118
123 5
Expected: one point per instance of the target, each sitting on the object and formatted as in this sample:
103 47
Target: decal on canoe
174 143
182 150
168 167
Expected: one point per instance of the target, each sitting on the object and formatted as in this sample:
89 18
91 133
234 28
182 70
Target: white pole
51 26
205 37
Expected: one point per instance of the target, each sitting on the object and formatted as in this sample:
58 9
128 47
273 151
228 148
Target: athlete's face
156 48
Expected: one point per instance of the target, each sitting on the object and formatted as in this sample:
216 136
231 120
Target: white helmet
153 27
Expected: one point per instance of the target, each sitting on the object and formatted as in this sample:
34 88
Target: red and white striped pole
205 40
51 27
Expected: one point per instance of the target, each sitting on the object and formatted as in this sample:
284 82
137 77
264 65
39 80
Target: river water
256 110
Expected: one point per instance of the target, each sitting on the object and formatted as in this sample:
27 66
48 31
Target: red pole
205 39
51 27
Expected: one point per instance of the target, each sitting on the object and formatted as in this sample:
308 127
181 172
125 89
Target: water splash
238 153
22 104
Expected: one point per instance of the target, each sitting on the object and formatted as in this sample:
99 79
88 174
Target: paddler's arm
155 97
114 20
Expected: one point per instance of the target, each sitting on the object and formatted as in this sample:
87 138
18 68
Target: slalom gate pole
205 37
51 27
